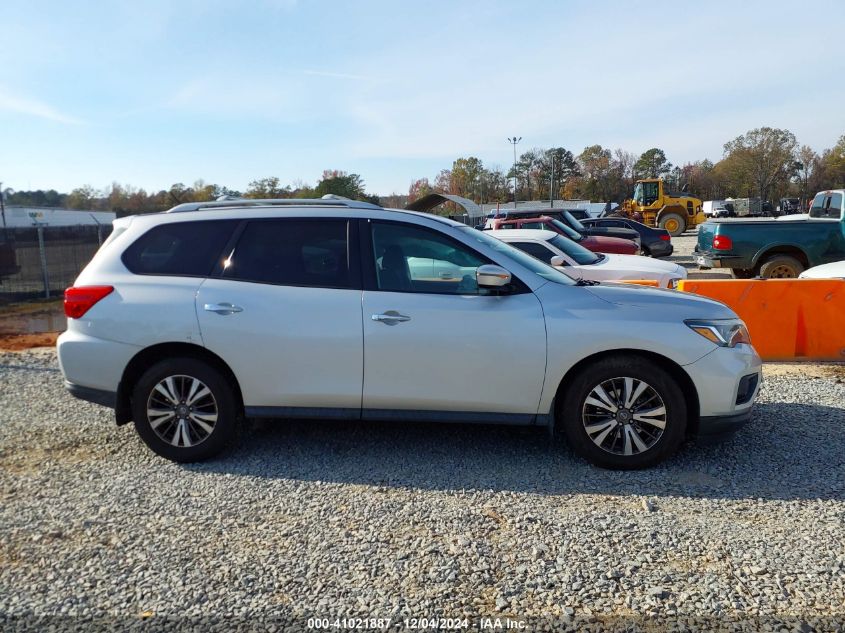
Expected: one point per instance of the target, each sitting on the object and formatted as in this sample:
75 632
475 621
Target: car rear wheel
184 410
623 413
674 223
781 267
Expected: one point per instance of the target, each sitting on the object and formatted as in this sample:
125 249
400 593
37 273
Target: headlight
722 332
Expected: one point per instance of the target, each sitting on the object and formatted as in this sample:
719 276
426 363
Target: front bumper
718 426
721 378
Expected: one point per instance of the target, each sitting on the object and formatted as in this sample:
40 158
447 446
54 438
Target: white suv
188 321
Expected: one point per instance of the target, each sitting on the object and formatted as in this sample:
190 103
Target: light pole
3 212
514 141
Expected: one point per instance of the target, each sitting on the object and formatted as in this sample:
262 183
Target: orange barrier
640 282
788 319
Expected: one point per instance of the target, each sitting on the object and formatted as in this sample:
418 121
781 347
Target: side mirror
490 276
558 260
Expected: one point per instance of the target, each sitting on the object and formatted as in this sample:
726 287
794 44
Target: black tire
200 443
781 267
646 251
676 230
574 417
743 273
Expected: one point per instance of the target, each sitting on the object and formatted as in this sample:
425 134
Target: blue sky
162 91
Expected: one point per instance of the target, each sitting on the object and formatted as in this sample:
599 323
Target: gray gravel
334 520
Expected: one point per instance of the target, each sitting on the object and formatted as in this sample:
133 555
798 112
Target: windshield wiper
586 282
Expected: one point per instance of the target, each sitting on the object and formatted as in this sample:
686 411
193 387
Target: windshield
572 234
638 193
574 222
534 265
577 252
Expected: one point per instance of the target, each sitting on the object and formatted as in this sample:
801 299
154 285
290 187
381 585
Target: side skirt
395 415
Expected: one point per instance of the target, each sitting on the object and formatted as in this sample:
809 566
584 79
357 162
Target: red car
595 243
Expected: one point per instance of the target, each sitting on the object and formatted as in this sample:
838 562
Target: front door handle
391 317
222 308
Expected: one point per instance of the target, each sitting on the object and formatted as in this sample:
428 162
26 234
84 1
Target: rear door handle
391 317
222 308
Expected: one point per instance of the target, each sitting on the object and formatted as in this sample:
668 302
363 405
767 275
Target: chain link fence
40 262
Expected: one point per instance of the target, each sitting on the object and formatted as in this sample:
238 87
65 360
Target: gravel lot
365 520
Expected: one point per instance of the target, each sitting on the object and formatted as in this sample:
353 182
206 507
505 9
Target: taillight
665 238
722 243
79 300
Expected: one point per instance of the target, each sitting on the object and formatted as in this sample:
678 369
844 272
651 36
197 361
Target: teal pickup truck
765 247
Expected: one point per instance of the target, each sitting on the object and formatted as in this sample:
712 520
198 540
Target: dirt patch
39 305
32 318
20 342
805 370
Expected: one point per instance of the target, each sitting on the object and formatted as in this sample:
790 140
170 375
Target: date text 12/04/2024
422 624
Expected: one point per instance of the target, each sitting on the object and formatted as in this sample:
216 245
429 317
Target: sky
163 91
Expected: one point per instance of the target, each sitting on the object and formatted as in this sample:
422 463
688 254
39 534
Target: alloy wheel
624 416
182 410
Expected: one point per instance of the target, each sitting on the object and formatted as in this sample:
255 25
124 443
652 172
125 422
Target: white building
19 217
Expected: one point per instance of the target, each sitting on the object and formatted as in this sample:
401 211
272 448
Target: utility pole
552 185
514 141
3 212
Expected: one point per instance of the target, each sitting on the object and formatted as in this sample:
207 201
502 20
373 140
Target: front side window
409 258
651 191
523 259
190 249
292 252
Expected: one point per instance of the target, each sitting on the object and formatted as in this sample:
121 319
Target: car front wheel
623 413
184 410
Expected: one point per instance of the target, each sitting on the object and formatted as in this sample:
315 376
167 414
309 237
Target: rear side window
190 249
292 253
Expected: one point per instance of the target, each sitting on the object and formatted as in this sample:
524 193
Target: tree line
129 200
764 162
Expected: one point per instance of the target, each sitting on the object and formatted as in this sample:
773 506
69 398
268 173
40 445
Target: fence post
43 253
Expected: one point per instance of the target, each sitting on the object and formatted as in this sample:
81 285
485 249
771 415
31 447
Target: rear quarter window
190 249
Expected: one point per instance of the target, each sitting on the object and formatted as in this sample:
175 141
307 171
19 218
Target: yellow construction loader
654 206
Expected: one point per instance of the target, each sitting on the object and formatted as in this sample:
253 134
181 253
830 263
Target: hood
687 305
638 262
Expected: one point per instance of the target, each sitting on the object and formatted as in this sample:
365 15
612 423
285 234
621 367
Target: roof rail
335 201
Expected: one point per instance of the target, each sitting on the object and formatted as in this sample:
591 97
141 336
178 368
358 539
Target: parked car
833 270
187 321
556 250
595 243
655 242
776 248
565 216
583 229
